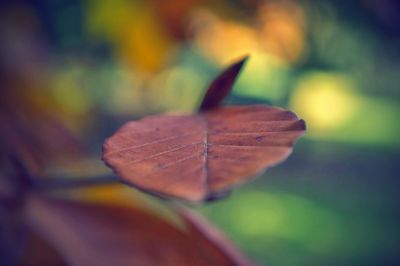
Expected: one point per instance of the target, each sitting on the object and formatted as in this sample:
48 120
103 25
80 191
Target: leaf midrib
205 162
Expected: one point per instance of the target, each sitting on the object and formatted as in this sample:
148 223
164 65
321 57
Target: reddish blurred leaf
39 252
11 232
37 140
30 124
221 86
202 232
196 157
173 15
99 234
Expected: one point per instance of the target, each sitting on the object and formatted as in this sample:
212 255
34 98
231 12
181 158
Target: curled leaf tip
222 85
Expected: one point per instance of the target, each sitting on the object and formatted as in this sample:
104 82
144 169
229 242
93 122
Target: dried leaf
221 86
196 157
99 234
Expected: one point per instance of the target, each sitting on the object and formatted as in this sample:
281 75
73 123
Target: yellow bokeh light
325 100
69 91
278 29
222 40
177 89
263 77
282 29
135 31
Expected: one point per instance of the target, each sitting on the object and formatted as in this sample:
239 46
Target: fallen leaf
101 234
197 157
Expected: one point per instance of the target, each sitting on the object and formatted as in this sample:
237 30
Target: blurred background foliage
93 65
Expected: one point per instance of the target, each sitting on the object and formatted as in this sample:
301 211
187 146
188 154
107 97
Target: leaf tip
303 125
242 61
222 85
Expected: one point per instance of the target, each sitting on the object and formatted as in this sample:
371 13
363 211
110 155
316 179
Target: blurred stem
72 183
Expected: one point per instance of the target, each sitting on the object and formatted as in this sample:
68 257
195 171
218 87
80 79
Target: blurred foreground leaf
104 234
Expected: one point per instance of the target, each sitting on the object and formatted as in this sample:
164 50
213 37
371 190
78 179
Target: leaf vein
159 154
150 143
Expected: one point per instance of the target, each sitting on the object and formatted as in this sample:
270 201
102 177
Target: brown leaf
196 157
221 86
100 234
